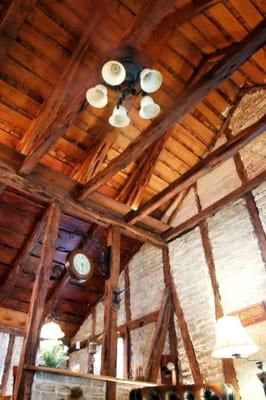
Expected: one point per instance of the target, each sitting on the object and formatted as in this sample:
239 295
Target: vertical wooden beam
37 305
162 324
256 222
109 343
229 371
128 373
7 364
250 202
188 345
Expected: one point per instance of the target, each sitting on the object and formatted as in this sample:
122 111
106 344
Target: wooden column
7 364
188 345
127 331
162 324
229 371
37 305
109 344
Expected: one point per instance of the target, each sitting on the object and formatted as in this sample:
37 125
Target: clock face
82 264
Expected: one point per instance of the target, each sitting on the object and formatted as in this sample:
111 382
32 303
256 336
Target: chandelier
129 78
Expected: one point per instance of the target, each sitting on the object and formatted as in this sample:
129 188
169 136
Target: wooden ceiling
51 52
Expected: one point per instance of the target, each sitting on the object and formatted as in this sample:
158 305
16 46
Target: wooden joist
109 342
213 208
37 305
19 263
157 345
132 192
11 23
12 322
48 127
183 104
44 192
212 161
139 322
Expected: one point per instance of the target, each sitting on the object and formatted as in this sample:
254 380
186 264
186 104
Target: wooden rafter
63 105
132 192
43 192
109 342
37 304
19 263
157 345
11 23
213 208
212 161
184 103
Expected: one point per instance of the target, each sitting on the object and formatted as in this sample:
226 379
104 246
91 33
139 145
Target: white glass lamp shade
119 118
150 80
51 331
97 96
113 73
232 341
148 109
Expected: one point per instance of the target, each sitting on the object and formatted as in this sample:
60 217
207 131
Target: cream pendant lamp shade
51 330
232 341
113 73
148 109
150 80
97 96
119 118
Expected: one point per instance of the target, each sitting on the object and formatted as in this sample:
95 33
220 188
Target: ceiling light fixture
51 331
128 77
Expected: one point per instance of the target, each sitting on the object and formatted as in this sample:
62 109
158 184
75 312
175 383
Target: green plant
54 354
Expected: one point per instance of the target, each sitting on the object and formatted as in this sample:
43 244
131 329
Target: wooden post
109 344
127 332
188 345
162 324
7 364
22 389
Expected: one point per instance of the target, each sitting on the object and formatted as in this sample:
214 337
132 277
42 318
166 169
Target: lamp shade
232 341
119 118
113 73
148 109
51 331
150 80
97 96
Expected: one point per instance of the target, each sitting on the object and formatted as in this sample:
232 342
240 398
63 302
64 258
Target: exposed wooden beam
212 161
7 364
48 127
128 318
11 23
22 389
13 320
109 342
257 224
139 322
187 342
184 103
228 365
43 192
133 190
157 345
11 330
19 263
213 208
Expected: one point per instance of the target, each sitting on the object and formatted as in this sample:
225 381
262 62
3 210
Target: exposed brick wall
260 198
4 338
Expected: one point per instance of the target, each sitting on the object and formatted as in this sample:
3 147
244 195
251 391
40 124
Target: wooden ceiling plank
45 129
12 22
21 258
132 192
192 95
212 161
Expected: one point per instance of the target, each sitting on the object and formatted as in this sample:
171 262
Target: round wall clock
79 265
